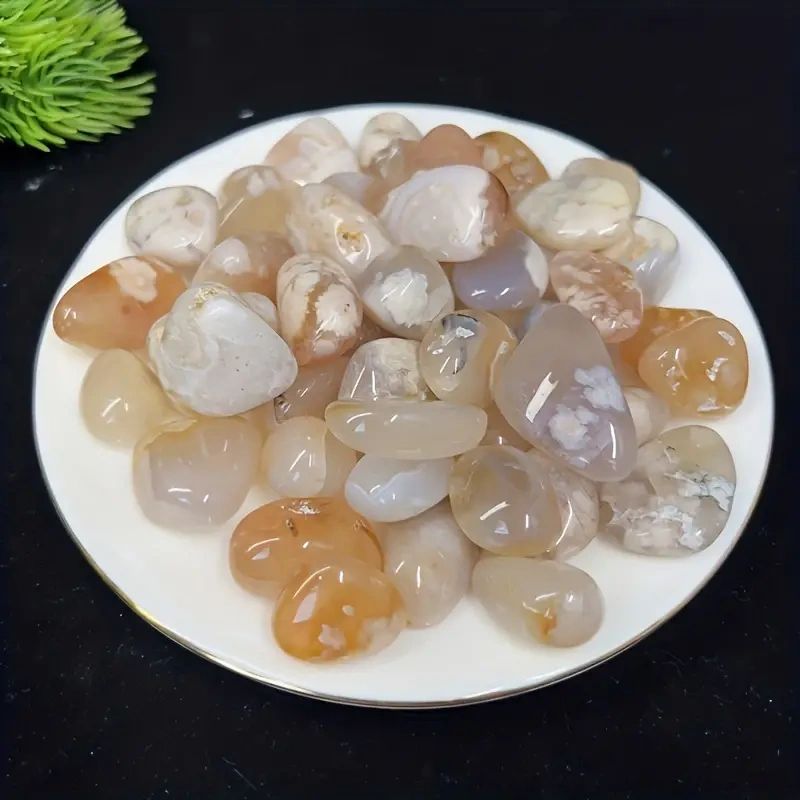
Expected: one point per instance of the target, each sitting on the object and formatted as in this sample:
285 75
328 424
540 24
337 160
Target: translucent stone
513 274
322 219
177 224
454 213
656 321
217 354
445 145
649 412
246 263
650 250
356 185
550 602
607 168
462 353
318 306
120 399
430 561
404 290
678 498
504 502
287 539
252 199
343 608
498 431
578 506
114 306
195 472
391 489
559 392
384 369
574 212
302 459
405 429
381 131
511 161
699 369
315 386
311 151
602 290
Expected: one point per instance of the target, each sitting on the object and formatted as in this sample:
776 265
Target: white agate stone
177 224
607 168
679 496
384 369
430 561
322 219
453 213
390 489
217 354
575 212
381 131
312 151
404 290
558 390
318 307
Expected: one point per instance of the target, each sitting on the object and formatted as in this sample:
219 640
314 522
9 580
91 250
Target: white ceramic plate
180 582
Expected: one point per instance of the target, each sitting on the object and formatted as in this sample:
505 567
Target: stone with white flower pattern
404 290
246 263
453 213
678 498
559 392
384 369
253 199
312 151
177 224
318 306
323 219
603 291
574 212
381 131
217 354
607 168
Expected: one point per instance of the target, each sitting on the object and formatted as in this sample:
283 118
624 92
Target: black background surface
98 704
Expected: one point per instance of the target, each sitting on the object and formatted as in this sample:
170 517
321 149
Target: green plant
64 71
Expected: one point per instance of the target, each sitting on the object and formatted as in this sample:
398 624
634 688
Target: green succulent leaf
64 72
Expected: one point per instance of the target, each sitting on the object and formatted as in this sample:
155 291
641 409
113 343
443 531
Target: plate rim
301 691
